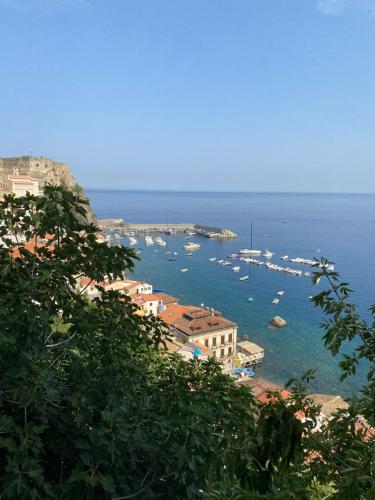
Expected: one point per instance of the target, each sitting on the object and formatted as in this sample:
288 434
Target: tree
92 405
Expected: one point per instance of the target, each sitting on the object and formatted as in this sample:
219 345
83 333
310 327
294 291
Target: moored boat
192 246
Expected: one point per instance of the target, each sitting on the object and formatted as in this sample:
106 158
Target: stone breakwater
207 231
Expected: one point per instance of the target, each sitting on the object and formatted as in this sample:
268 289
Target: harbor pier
207 231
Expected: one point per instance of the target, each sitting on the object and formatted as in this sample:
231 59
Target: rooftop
173 312
250 347
329 403
197 320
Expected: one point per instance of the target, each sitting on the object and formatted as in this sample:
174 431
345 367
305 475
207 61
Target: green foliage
348 450
91 405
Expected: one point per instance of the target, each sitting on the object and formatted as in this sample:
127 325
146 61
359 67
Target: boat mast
251 235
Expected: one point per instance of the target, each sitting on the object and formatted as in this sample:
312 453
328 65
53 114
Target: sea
341 226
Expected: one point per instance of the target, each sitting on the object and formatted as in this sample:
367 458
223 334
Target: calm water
342 226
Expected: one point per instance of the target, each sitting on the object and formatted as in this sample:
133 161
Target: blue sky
253 95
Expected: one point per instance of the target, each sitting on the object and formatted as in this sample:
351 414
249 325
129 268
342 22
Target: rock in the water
278 321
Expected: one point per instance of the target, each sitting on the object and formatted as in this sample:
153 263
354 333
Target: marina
220 287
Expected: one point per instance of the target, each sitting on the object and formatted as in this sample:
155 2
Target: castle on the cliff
30 174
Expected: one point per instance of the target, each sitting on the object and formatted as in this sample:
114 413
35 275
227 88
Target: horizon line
164 190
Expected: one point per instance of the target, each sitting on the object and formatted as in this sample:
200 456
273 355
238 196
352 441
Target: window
222 351
214 341
229 351
206 342
222 339
214 354
230 337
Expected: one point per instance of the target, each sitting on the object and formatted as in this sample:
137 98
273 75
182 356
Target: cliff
46 171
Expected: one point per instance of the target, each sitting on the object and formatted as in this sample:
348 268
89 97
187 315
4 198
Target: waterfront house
249 353
209 329
153 303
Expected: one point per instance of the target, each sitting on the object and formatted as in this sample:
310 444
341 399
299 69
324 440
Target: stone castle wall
45 170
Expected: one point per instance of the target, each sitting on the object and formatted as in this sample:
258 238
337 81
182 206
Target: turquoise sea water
342 226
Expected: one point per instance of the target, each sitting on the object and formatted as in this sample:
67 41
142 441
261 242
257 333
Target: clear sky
253 95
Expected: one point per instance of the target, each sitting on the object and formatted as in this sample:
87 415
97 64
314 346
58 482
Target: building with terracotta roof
153 303
19 184
172 312
208 329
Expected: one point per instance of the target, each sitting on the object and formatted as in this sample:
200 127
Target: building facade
209 329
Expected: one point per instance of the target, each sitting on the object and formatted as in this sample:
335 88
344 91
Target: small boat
184 269
220 261
280 293
284 257
310 297
168 253
192 246
250 299
275 301
171 260
233 256
132 241
236 269
268 254
307 274
226 263
175 253
244 278
160 242
149 241
249 251
317 281
188 254
212 259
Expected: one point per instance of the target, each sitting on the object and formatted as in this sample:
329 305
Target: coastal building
208 329
18 184
187 350
249 353
125 287
137 287
153 303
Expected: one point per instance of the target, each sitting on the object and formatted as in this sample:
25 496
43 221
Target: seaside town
191 331
187 207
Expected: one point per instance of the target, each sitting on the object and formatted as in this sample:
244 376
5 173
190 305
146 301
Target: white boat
175 253
236 269
184 269
244 278
132 241
192 246
284 257
227 263
220 261
249 251
160 242
275 301
268 254
250 299
280 293
212 259
149 241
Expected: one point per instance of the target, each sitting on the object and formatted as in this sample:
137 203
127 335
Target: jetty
206 231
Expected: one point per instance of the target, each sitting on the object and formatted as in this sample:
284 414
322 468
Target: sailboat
250 251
